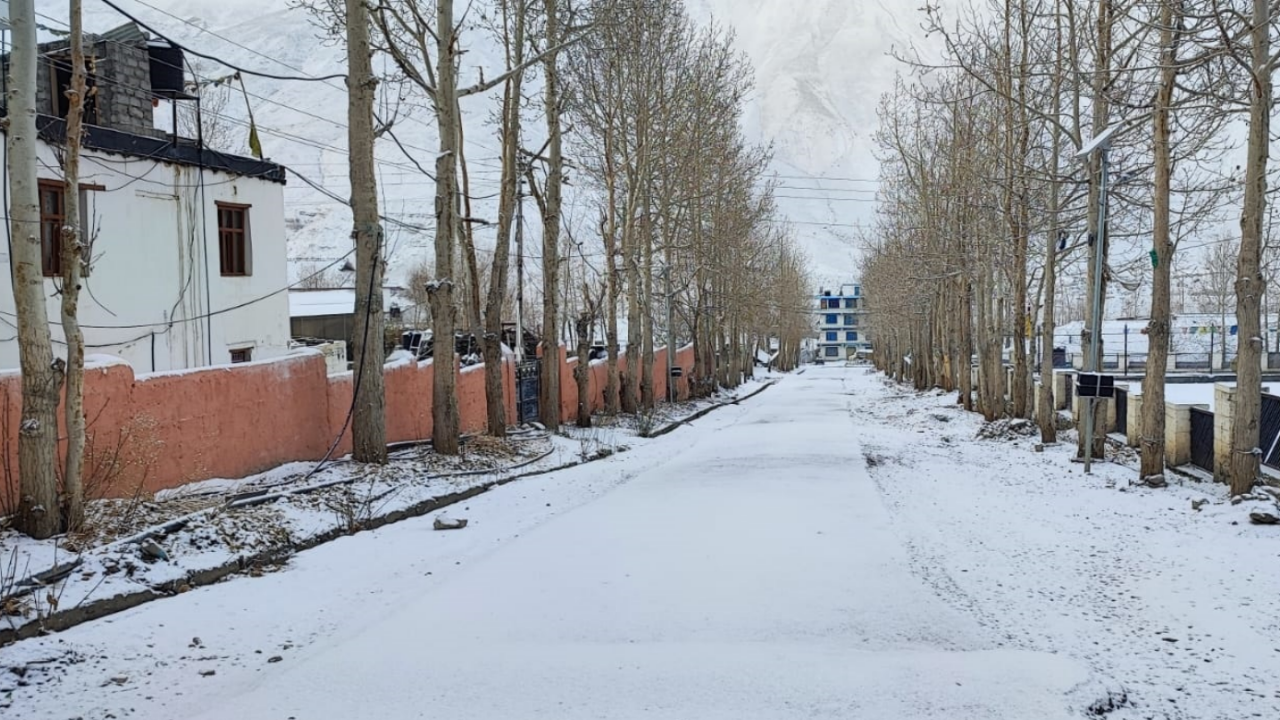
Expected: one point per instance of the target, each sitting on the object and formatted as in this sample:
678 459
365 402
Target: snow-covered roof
317 303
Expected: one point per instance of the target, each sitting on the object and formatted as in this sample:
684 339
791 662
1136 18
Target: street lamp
1100 144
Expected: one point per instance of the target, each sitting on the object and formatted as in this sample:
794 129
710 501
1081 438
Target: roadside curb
95 610
707 411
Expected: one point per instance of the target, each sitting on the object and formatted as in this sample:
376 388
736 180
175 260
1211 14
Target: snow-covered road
831 548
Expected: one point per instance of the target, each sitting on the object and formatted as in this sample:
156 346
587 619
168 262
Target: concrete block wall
1133 420
1224 405
1177 434
235 420
1060 381
124 100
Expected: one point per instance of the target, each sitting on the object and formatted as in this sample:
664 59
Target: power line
831 178
825 199
324 80
281 133
822 189
171 322
174 43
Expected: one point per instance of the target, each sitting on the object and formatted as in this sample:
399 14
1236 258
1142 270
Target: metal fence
1269 431
1193 361
528 388
1202 439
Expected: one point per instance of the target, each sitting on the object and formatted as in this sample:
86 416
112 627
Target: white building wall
156 275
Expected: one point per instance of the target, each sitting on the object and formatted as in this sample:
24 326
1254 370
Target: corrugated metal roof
318 303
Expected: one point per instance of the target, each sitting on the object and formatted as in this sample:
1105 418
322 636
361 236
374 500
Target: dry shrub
117 468
491 446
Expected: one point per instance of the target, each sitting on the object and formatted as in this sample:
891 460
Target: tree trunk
1243 469
635 352
469 278
646 317
966 345
1151 438
611 389
72 265
1101 110
369 426
582 373
41 378
494 388
1047 410
550 385
445 418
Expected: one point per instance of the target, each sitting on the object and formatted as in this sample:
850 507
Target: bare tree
41 377
1243 469
314 276
549 202
513 17
205 119
73 261
369 429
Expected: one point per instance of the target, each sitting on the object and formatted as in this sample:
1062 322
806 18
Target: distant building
329 314
186 245
842 327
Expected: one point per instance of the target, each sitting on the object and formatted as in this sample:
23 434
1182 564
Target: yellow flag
255 145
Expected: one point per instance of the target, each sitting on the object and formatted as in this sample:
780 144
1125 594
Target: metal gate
1202 439
528 388
1269 431
1122 411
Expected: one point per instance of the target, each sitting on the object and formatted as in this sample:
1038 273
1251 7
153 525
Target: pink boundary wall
236 420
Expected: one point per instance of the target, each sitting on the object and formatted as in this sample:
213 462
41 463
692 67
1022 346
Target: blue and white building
842 327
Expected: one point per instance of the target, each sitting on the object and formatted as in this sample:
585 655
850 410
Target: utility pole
520 264
38 514
671 334
369 429
1093 362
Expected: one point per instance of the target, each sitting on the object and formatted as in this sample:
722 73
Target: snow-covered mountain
820 67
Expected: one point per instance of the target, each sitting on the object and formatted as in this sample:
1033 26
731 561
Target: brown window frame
51 225
230 262
60 82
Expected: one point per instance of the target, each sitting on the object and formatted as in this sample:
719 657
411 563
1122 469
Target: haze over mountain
820 66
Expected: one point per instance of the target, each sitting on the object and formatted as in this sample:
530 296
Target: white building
841 323
188 251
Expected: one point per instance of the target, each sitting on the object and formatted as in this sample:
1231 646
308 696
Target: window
849 320
831 337
242 355
53 216
832 351
851 336
60 80
832 320
233 240
850 303
833 303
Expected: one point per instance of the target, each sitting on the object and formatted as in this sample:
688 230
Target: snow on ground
835 547
1174 605
1182 393
224 521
